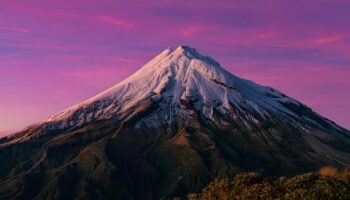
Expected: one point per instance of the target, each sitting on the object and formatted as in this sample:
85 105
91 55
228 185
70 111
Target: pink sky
54 54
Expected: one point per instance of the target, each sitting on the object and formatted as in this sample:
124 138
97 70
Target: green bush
251 186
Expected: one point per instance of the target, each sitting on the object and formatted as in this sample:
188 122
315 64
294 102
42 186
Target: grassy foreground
327 184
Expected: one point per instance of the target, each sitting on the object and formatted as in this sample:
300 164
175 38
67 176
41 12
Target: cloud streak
14 29
115 21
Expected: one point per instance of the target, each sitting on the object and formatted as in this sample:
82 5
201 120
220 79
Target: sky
54 54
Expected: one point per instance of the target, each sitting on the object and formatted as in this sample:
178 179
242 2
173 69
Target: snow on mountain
175 75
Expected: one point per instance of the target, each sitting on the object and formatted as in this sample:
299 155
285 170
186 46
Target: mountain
167 130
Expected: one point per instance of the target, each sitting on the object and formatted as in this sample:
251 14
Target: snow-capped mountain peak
181 71
182 76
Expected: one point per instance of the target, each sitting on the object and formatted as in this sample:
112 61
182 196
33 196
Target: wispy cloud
120 59
14 29
328 39
192 30
116 21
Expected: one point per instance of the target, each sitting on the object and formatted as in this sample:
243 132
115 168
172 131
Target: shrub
251 186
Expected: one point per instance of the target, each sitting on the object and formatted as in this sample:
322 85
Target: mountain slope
167 130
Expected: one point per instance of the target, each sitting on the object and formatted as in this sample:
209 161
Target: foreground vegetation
328 184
